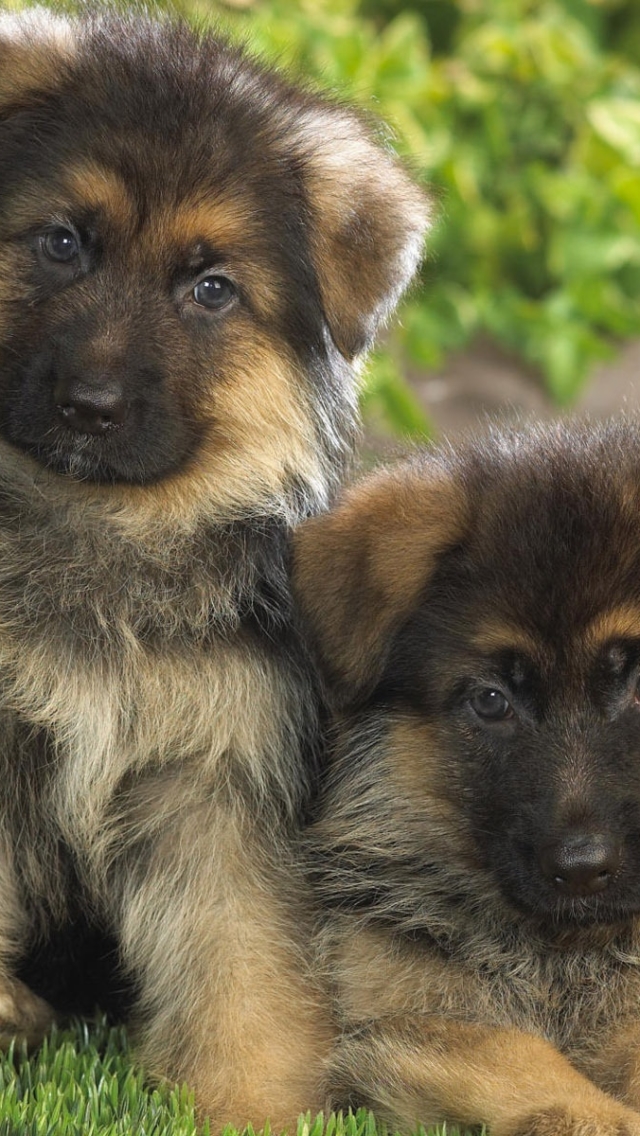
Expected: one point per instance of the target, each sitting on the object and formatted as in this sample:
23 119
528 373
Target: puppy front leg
429 1070
23 1015
214 931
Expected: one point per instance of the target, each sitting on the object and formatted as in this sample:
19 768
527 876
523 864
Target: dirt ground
486 381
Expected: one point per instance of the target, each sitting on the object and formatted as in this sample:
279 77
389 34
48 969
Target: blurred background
523 116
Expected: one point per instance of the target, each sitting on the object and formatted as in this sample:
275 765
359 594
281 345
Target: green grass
83 1082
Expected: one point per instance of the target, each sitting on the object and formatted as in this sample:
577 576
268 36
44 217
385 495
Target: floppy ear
368 224
359 570
33 47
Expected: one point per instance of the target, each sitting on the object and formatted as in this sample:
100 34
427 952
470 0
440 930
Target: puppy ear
33 47
359 570
368 225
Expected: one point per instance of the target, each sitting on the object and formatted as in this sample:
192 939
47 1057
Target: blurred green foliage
524 118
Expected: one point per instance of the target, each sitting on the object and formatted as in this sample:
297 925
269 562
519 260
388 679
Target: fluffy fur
477 852
193 257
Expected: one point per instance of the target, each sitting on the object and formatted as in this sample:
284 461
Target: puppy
477 853
193 257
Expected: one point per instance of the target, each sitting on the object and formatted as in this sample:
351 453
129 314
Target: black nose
90 408
581 863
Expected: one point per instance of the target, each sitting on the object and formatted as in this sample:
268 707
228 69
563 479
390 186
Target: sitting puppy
193 255
477 614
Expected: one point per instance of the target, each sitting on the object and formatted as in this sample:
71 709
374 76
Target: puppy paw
23 1015
560 1121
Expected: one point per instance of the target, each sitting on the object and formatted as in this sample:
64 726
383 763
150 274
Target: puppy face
183 240
478 615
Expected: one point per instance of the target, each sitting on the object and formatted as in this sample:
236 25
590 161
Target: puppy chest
122 713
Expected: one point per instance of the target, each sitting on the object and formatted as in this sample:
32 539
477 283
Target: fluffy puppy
193 256
477 853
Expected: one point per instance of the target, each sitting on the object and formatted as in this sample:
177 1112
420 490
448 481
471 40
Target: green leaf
617 120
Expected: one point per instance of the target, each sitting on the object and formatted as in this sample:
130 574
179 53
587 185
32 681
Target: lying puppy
193 254
477 614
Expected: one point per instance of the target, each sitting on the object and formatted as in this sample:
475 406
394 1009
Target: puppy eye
491 705
213 292
60 245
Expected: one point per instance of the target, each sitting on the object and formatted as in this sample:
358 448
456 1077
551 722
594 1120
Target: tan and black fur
194 255
477 850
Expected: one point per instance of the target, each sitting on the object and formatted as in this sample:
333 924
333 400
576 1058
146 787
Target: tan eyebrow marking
97 187
221 221
498 636
620 623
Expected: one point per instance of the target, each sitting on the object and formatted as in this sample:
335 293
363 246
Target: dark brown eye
213 292
60 245
491 705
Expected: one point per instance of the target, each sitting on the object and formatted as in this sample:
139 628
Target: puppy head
478 615
192 255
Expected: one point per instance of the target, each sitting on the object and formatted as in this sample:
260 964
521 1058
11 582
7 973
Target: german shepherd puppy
193 256
477 855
